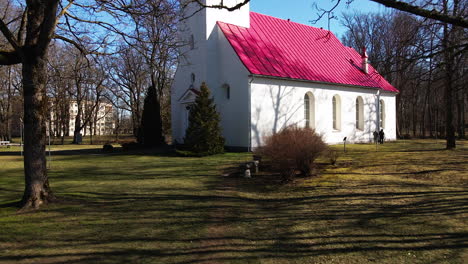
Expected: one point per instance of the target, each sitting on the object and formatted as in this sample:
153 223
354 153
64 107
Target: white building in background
266 73
102 121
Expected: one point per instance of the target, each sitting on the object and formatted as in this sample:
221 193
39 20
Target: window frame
336 112
382 113
307 110
359 113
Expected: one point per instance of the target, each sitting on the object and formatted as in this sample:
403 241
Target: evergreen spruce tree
151 132
203 135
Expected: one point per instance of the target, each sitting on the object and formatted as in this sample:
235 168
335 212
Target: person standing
381 136
376 136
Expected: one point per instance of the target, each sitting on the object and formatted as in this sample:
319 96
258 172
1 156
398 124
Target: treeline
426 60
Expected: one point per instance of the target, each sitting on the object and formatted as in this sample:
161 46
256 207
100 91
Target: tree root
35 199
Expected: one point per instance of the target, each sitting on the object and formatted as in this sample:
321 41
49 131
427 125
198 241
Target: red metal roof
285 49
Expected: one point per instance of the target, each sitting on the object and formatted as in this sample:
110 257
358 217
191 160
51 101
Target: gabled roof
285 49
189 95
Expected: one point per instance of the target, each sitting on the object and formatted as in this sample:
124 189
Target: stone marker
255 163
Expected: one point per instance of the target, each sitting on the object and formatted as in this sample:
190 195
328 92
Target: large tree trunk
460 114
40 28
37 190
448 91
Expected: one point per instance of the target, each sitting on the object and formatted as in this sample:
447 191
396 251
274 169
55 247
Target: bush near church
203 136
292 150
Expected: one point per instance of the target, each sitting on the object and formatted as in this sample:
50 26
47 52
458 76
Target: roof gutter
319 82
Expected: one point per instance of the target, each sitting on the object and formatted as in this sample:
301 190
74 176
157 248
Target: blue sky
301 11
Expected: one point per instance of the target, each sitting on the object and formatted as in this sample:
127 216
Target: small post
50 154
256 163
21 132
344 143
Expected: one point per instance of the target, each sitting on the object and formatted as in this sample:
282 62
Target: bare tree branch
9 36
48 26
22 27
221 5
64 11
416 10
77 45
9 58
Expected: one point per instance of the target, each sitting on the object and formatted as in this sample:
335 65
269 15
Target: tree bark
41 18
461 113
448 91
37 190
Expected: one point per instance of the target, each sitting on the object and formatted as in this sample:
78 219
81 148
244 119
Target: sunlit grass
404 202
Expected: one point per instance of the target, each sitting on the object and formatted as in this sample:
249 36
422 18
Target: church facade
267 73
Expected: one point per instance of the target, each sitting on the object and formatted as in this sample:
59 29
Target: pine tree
203 135
151 132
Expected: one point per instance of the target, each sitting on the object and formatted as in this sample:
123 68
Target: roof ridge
291 21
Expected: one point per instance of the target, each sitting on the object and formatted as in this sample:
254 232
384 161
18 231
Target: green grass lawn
406 202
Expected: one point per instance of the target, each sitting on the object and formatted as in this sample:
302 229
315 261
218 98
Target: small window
359 113
192 42
336 104
192 78
227 90
382 114
309 110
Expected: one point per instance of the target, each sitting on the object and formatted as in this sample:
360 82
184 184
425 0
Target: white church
266 73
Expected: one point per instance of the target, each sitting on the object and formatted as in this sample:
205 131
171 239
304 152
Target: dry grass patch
402 203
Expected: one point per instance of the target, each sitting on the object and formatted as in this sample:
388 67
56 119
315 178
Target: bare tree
41 21
8 94
59 91
129 79
425 8
424 57
155 40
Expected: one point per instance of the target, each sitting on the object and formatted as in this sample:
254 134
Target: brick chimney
365 64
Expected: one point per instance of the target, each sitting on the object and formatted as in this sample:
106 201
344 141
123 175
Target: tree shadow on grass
272 235
256 219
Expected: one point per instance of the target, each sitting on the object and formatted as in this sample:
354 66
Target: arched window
336 112
192 78
192 42
359 113
309 110
382 114
227 90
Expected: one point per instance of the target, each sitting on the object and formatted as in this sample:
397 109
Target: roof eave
320 82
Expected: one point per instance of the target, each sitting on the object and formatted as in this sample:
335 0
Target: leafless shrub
332 156
292 150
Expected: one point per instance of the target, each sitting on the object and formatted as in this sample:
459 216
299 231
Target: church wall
390 115
278 103
213 61
191 61
235 109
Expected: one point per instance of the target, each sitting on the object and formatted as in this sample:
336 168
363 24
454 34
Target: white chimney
365 65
